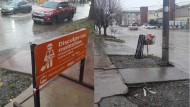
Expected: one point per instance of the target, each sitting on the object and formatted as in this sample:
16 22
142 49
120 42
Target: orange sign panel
54 57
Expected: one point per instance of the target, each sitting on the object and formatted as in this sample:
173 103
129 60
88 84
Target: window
52 5
64 4
22 3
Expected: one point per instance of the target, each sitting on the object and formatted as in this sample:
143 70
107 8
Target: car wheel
70 17
35 22
15 12
29 10
54 21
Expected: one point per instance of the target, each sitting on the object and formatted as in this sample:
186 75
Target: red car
53 12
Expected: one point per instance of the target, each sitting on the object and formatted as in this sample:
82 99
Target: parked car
14 7
144 26
150 27
133 27
53 12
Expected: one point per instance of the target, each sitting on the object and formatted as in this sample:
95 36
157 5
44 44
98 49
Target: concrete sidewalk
59 92
107 80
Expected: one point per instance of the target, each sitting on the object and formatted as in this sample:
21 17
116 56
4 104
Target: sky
154 4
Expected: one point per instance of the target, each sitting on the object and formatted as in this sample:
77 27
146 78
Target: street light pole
165 34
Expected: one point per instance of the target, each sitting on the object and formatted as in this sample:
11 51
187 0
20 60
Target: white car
150 27
133 27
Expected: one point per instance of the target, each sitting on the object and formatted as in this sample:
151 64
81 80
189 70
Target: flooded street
16 31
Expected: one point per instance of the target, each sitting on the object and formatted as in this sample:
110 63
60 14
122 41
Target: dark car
53 11
14 7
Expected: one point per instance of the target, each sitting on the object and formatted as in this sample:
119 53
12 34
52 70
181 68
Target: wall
143 13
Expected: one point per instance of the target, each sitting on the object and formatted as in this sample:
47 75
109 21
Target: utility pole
165 34
174 14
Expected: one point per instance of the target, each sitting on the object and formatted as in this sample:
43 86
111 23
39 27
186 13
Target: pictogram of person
48 57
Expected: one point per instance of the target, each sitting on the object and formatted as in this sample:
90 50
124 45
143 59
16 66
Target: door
22 7
60 11
65 10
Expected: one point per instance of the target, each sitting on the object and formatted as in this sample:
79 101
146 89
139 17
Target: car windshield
13 3
134 25
52 5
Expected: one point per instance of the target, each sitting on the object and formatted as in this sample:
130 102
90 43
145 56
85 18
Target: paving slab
73 71
63 93
101 60
143 75
6 54
21 62
116 101
108 83
23 96
114 48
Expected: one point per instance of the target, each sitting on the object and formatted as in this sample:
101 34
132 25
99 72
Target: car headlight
48 13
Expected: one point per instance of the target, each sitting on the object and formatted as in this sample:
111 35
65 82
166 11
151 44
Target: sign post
82 63
35 88
165 33
51 58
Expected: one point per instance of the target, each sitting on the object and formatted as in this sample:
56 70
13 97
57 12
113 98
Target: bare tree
118 17
104 9
98 23
91 12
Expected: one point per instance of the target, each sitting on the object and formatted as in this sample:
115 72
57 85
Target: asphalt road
16 31
178 44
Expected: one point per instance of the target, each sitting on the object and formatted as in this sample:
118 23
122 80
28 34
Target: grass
77 25
114 39
109 38
89 25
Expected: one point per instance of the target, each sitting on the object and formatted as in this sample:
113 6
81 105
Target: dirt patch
129 61
12 84
165 94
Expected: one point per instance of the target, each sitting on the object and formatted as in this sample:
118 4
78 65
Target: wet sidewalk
108 82
59 92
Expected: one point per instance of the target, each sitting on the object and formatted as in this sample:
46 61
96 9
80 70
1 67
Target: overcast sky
154 4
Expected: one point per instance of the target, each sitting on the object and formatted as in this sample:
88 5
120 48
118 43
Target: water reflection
13 25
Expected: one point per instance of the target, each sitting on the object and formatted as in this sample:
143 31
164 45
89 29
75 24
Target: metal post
147 49
81 75
174 15
165 39
35 88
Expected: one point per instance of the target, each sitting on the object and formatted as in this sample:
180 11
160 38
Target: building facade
155 15
182 13
143 15
172 9
130 17
181 18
